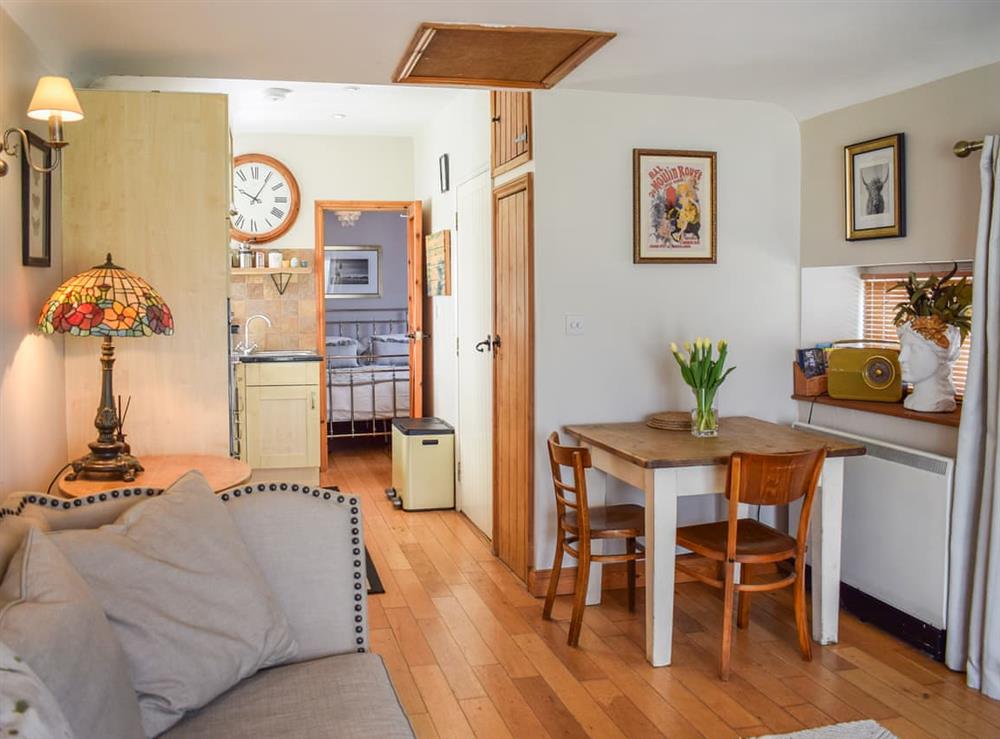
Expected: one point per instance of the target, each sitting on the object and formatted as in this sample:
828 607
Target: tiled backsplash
293 315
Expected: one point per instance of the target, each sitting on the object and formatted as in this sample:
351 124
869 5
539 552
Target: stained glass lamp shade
106 301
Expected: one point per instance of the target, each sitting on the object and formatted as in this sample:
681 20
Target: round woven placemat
670 421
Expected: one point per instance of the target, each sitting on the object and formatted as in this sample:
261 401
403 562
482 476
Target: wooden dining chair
578 523
758 479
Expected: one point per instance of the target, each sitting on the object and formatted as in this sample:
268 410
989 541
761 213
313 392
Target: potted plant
932 323
704 373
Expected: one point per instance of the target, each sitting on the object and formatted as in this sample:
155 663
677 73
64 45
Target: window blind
881 300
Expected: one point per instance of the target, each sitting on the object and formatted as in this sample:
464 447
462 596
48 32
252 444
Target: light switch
574 324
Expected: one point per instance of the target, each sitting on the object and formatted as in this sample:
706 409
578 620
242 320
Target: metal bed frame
374 426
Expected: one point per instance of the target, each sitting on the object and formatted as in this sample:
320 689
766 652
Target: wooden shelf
887 409
250 271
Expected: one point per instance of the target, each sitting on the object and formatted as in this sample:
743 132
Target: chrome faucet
246 347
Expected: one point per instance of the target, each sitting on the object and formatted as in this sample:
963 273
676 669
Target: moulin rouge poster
674 204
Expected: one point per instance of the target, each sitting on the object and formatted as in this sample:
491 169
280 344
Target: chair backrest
570 496
774 479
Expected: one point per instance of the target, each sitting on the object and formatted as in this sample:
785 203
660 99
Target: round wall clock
265 198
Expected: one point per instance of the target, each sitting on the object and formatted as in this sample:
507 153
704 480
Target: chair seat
754 541
612 521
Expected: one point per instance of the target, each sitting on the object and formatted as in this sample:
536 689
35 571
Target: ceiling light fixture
339 116
352 88
348 218
276 94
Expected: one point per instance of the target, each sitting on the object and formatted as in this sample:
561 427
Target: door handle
496 342
485 344
312 400
415 335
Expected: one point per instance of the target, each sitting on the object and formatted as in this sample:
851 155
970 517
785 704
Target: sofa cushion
27 707
348 696
184 596
50 618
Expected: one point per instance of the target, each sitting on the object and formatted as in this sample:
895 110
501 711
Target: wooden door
473 257
513 373
415 305
283 428
510 113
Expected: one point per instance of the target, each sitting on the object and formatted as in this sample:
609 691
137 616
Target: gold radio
864 372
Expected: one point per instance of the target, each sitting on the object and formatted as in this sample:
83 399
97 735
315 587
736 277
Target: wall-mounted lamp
54 101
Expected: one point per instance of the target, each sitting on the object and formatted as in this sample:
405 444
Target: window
880 308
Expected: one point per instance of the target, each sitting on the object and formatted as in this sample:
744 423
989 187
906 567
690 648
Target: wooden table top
649 447
162 470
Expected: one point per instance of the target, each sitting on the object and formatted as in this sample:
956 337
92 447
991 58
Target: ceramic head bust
928 350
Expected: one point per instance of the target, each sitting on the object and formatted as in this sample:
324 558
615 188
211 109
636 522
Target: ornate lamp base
107 458
123 466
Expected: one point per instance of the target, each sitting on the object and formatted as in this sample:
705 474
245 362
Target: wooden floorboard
469 654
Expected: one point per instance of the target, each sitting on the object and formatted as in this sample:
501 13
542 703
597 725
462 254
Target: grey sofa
308 543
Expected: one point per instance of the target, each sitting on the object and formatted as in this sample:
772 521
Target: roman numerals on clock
265 198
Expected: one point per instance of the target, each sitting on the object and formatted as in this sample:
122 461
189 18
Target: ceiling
808 56
309 107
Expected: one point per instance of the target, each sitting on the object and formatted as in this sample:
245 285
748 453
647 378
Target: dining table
667 465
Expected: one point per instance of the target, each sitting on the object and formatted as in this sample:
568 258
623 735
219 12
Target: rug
853 730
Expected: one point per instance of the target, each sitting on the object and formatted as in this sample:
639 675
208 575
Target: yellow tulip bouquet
704 373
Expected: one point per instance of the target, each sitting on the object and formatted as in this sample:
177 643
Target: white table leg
827 520
597 492
661 540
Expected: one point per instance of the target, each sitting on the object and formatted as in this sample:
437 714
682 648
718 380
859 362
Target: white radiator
897 506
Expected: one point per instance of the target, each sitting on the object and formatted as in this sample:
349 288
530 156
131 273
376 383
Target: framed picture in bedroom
674 206
874 189
352 271
36 204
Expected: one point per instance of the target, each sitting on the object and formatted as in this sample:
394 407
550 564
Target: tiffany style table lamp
106 301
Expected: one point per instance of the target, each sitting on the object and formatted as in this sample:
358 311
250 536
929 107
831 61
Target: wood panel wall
513 374
145 178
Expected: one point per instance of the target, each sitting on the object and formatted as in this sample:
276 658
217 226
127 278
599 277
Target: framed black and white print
352 271
36 204
875 197
444 175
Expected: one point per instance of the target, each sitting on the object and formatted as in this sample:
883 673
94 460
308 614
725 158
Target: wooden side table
162 470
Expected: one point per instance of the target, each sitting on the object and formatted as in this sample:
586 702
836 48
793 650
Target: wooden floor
470 655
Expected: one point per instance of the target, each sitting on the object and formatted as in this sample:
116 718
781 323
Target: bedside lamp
106 301
54 101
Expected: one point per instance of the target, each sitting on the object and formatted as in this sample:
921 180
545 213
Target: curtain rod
964 148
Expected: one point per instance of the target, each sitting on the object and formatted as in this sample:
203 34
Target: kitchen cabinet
279 419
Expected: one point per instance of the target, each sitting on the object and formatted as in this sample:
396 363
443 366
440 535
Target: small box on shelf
808 386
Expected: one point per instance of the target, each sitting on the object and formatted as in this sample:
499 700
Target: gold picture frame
875 189
437 254
674 206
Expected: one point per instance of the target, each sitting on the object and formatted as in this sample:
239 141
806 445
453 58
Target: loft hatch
495 56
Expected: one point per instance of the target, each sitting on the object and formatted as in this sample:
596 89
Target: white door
473 254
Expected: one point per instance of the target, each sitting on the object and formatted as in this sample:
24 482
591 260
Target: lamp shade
106 300
54 96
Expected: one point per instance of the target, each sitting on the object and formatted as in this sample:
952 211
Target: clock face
265 198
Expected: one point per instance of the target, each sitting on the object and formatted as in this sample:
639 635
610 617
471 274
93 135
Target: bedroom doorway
369 286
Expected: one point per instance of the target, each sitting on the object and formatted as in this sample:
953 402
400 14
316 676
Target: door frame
414 290
523 182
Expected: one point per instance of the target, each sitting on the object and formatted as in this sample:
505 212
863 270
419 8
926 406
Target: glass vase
704 415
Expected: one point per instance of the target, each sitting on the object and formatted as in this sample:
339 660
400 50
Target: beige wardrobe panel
145 178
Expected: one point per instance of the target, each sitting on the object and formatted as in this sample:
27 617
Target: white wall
461 130
334 168
621 368
32 389
941 190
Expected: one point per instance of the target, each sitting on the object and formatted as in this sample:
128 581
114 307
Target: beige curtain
974 582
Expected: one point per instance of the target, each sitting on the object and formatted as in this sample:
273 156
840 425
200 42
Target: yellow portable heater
865 370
